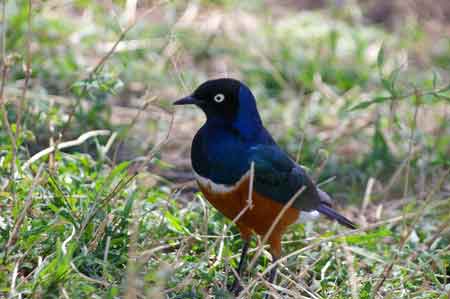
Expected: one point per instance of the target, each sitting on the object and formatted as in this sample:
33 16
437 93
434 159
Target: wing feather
279 177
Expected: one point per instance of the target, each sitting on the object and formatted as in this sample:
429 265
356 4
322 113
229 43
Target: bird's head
225 100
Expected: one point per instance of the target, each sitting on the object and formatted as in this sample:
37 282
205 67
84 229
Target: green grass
103 217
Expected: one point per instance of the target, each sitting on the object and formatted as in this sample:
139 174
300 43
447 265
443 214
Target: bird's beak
189 100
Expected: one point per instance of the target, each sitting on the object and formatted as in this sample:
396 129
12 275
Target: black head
219 98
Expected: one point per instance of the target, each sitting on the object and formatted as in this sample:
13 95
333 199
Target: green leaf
442 96
392 79
380 57
366 291
369 239
366 104
435 78
175 223
119 169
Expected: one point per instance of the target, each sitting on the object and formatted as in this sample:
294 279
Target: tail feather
333 215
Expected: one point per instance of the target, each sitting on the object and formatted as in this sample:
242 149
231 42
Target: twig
396 175
300 148
131 278
109 143
410 144
322 164
21 102
28 201
12 292
320 240
66 241
5 67
65 144
99 232
366 200
351 270
298 285
250 186
221 245
274 223
388 268
84 276
64 292
133 172
103 60
91 214
105 256
4 31
439 232
179 76
207 254
154 150
145 255
131 125
6 122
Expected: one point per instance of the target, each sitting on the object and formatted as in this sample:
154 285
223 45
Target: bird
233 147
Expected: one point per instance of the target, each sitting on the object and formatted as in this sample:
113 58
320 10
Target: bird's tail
325 209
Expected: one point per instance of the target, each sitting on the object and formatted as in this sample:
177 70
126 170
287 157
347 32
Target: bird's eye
218 98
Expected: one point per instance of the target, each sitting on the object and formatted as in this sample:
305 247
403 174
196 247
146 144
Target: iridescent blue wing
278 177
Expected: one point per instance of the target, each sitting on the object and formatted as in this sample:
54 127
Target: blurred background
357 91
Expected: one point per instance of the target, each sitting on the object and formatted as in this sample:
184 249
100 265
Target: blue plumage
223 150
220 150
233 137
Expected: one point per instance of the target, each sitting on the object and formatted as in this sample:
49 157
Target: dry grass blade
366 200
105 256
351 270
90 279
5 66
132 264
66 241
4 25
104 58
129 14
220 251
28 58
318 241
445 226
28 202
133 122
410 143
383 120
136 169
12 292
274 223
81 139
408 230
207 253
99 233
298 284
119 187
250 186
145 255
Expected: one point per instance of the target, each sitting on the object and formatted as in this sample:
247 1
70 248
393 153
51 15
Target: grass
93 159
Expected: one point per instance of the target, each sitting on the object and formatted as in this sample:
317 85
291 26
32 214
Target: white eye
218 98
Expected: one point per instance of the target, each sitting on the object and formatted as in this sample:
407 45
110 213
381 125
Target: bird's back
222 156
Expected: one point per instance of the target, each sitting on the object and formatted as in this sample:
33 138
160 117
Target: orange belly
258 219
